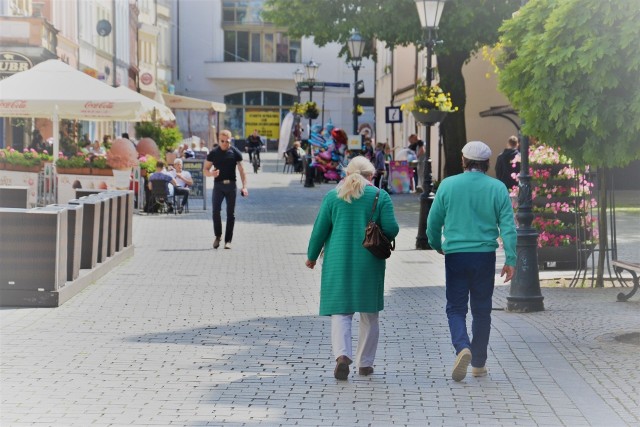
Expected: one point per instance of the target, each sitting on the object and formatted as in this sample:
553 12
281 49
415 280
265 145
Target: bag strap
375 203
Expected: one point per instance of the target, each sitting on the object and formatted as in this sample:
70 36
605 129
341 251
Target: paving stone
182 334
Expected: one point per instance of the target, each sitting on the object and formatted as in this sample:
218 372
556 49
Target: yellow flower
429 98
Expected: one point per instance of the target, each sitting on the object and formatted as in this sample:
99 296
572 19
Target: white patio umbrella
53 89
161 111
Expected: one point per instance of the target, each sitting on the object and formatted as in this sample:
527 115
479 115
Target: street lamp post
356 48
430 12
298 77
311 69
524 293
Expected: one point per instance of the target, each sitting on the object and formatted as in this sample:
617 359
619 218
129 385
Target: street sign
393 115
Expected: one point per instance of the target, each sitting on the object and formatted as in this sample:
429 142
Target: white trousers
367 337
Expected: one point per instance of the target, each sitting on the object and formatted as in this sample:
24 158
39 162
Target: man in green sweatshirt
468 214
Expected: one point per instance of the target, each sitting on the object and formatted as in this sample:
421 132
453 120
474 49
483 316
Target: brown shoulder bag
374 239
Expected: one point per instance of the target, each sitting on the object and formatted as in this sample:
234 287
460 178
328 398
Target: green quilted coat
352 278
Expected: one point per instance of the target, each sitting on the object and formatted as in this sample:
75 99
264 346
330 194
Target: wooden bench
632 268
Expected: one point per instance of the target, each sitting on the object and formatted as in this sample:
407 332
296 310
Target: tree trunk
602 225
453 128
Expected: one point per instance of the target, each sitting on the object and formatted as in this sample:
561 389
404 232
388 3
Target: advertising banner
266 121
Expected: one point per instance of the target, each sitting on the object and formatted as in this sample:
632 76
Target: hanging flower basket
433 116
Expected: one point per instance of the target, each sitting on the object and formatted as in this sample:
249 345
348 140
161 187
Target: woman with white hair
352 278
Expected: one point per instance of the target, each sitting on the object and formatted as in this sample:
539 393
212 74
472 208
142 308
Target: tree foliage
571 68
466 25
166 136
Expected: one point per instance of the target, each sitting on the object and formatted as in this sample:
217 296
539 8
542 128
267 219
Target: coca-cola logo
13 104
99 105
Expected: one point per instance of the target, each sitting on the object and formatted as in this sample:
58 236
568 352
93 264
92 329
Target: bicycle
255 158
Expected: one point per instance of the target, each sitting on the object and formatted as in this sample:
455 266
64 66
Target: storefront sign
11 63
266 121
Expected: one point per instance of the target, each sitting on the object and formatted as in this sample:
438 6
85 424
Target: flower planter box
21 168
563 257
553 168
543 200
433 116
74 171
102 172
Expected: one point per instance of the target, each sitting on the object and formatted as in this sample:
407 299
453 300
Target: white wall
201 48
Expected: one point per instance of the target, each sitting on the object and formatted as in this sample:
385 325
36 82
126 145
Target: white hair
359 173
177 161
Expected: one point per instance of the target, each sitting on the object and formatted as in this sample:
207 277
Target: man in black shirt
225 158
505 165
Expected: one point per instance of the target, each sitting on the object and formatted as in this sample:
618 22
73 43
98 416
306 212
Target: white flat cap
476 150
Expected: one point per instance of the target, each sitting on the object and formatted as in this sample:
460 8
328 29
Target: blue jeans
470 274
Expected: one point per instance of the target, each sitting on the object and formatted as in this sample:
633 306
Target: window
272 98
234 99
255 47
253 98
239 103
248 38
242 46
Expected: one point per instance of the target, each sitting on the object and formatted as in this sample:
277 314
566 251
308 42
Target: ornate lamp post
430 12
524 293
298 77
311 70
356 48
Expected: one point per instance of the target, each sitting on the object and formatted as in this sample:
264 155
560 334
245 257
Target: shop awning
186 103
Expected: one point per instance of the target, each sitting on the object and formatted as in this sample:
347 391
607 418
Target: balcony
250 70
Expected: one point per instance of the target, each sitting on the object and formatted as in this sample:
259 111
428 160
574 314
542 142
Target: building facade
224 51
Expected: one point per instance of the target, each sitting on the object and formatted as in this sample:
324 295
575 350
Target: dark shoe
461 364
216 243
342 368
180 209
367 370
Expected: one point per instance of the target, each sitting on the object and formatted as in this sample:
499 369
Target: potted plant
77 164
99 166
430 104
561 206
147 165
26 161
308 110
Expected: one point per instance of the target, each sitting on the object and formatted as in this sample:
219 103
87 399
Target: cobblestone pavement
182 334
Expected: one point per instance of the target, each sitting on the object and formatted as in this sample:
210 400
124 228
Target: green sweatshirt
470 211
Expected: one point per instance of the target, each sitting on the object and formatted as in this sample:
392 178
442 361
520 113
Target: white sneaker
461 364
479 372
227 245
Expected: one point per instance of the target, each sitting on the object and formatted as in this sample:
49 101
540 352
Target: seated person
184 181
296 153
161 175
187 152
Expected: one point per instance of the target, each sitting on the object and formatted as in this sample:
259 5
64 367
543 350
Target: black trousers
184 192
222 192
